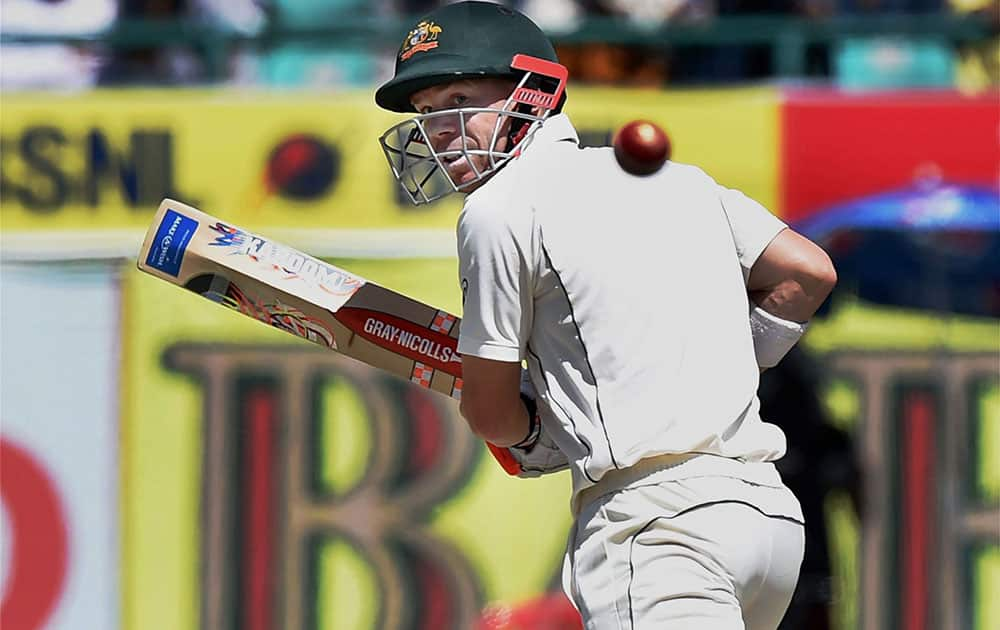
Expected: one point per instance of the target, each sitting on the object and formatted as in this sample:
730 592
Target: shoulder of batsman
507 211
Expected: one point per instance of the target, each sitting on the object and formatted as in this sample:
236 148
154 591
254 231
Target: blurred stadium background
167 465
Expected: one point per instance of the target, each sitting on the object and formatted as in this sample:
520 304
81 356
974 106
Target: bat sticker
432 348
221 290
292 265
170 242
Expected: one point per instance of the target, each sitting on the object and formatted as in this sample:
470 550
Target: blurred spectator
818 64
47 66
351 59
724 63
177 64
879 63
553 16
245 17
614 63
820 460
875 7
979 64
893 62
659 12
348 61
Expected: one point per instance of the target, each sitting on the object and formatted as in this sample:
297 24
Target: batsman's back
641 314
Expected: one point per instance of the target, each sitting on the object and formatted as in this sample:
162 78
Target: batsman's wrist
773 336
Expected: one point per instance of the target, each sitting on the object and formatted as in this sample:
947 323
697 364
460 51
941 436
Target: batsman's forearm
792 277
794 300
499 427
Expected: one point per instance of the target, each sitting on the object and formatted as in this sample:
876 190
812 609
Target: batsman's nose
442 129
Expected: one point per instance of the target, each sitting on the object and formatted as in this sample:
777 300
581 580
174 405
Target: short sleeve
752 225
497 273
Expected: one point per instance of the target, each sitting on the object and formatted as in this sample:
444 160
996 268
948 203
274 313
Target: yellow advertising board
103 160
367 490
359 498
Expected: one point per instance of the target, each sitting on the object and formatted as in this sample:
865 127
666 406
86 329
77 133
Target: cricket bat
302 295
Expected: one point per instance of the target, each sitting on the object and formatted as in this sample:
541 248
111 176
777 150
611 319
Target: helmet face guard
422 172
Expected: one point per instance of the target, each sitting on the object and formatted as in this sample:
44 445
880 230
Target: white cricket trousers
683 555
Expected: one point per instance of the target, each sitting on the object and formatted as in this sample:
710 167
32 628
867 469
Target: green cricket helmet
468 40
460 41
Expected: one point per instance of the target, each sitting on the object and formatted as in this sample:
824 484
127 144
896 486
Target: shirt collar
554 129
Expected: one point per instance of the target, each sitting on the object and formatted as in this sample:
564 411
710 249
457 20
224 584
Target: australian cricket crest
422 38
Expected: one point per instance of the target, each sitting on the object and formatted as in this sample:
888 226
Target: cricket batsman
644 309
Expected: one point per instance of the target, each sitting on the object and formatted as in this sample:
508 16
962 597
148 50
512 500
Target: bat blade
302 295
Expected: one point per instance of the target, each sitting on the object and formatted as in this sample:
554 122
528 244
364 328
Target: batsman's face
464 154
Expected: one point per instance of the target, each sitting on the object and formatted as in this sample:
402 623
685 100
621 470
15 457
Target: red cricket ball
641 147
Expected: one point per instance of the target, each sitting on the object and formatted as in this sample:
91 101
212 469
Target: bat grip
506 459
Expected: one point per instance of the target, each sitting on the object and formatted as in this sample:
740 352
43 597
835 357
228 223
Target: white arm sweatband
773 336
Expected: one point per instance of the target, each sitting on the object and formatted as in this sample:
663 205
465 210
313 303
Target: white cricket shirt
627 296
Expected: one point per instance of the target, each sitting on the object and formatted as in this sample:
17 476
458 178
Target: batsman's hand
541 456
